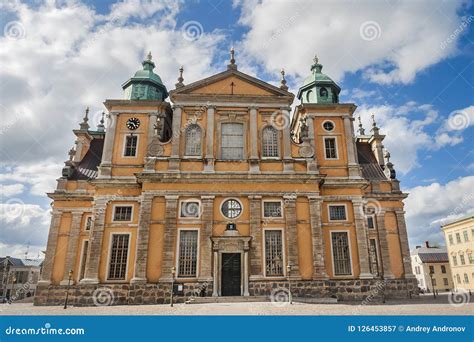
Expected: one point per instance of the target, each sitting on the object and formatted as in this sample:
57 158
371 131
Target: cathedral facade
226 192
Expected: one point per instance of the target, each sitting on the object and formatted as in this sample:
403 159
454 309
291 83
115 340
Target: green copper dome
318 87
145 84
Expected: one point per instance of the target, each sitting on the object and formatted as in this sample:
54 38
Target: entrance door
231 274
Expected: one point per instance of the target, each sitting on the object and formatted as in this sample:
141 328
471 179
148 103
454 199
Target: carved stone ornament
155 149
306 151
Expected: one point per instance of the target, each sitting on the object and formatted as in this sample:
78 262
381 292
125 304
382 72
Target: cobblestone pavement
421 306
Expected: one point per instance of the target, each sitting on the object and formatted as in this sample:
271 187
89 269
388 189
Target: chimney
427 244
417 247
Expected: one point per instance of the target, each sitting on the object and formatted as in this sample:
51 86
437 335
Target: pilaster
287 158
51 247
72 244
256 234
174 160
319 265
209 165
171 230
254 167
383 242
354 171
207 203
362 244
105 169
402 234
291 235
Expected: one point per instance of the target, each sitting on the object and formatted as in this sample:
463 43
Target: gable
232 85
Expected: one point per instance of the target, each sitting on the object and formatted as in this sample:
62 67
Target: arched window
308 95
270 142
193 140
323 92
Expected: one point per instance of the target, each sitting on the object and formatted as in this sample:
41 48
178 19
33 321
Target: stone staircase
227 299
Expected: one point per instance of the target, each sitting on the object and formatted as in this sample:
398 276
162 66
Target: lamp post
67 288
290 297
432 286
173 273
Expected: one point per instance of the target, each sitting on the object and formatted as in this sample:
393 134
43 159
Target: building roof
432 254
371 169
22 261
460 219
88 167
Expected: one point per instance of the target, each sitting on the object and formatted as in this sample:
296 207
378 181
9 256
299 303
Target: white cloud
428 207
11 190
390 41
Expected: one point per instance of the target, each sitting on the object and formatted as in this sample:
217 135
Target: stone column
319 266
246 272
361 235
171 232
402 234
256 234
175 143
149 160
215 274
383 243
143 235
291 235
51 248
254 167
72 244
354 171
97 235
311 163
205 248
209 165
105 169
287 160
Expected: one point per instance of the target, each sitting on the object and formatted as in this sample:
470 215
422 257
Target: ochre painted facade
313 186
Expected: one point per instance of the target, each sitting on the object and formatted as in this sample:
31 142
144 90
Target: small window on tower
328 126
323 92
131 142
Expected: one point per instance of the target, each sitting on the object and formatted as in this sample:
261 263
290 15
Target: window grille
445 281
188 244
85 248
231 208
118 257
123 213
193 140
131 146
370 222
341 255
190 209
273 253
272 209
232 145
330 148
337 213
270 142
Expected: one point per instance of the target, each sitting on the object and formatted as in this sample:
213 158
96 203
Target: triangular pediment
231 82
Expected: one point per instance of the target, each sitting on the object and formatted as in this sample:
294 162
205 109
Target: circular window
231 208
328 125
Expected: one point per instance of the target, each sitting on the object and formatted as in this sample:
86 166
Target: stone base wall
130 294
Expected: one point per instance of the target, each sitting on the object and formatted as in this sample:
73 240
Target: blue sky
409 63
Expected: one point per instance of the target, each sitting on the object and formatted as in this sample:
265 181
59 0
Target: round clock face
133 123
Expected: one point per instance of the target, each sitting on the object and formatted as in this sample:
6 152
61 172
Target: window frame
124 147
109 256
227 199
86 218
465 236
278 156
244 140
191 156
81 260
198 249
350 254
337 205
335 146
372 216
333 126
273 217
122 205
283 249
181 202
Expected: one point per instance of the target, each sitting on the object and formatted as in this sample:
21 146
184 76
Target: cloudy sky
408 62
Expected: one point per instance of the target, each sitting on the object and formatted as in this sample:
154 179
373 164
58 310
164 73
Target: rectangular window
451 240
337 213
273 253
461 258
445 281
82 271
432 269
471 258
330 148
458 238
455 260
341 253
131 142
232 144
272 209
118 257
466 237
373 257
188 249
123 213
466 278
443 269
370 222
88 223
417 269
434 282
190 209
